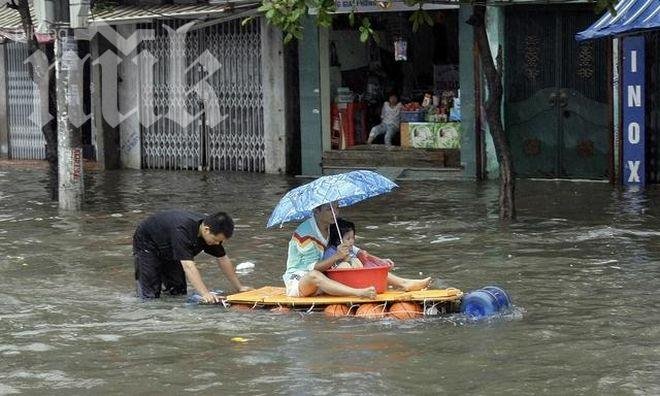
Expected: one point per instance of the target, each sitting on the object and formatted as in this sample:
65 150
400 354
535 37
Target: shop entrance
556 94
420 68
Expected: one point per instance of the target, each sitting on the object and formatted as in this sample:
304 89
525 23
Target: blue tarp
631 16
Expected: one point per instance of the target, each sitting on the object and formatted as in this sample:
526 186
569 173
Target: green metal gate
556 111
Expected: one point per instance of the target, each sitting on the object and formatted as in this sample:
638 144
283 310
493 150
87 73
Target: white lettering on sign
634 172
634 101
633 133
634 96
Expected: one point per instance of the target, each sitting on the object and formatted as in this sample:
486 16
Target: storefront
653 106
637 46
420 67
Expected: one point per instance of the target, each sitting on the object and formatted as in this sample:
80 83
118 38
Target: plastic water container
485 302
360 278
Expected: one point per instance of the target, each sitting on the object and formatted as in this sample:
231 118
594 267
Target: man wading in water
165 245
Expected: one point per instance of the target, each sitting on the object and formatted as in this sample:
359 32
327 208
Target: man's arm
228 269
193 276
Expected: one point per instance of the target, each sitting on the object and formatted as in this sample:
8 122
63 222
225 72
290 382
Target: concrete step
403 173
394 157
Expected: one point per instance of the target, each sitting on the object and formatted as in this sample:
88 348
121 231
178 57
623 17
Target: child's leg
315 280
356 263
391 130
408 284
343 265
375 132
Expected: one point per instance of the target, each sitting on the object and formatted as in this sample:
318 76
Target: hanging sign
362 6
400 49
634 130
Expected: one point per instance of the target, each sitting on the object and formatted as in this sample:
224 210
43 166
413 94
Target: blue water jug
501 296
485 302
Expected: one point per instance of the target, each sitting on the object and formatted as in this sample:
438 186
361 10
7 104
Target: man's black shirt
173 235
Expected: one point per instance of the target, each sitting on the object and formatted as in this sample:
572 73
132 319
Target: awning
148 13
369 6
631 16
10 23
11 28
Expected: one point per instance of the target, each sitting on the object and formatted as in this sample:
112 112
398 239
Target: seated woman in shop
390 117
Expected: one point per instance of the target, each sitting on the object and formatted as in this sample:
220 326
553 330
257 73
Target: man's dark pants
153 275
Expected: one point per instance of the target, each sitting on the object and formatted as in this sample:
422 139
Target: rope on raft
434 304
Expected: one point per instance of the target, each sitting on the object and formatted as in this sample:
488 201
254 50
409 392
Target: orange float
240 307
336 310
371 311
280 310
405 310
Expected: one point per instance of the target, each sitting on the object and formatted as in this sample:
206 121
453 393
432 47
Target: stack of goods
344 95
455 111
412 112
447 109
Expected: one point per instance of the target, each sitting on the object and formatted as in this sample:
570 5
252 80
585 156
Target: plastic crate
413 116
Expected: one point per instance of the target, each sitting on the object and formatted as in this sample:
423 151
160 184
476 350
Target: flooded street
582 267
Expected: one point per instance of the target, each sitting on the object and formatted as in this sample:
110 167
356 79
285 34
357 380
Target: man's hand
211 298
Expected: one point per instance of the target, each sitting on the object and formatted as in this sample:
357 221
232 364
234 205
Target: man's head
323 213
217 228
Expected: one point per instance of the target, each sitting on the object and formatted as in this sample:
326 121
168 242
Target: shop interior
420 68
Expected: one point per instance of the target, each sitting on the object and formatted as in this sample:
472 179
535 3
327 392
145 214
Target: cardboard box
404 129
433 135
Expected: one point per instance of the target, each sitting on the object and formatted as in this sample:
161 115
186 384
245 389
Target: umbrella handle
336 225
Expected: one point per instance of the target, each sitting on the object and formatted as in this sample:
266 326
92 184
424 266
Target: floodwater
582 267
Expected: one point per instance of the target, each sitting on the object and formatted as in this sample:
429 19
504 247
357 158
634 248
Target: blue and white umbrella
345 189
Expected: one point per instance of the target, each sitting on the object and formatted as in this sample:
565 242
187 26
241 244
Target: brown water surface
582 267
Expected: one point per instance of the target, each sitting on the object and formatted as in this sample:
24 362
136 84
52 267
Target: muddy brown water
581 265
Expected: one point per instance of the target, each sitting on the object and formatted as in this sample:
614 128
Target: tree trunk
493 108
49 129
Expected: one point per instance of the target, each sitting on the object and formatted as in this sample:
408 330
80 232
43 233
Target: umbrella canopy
345 189
631 16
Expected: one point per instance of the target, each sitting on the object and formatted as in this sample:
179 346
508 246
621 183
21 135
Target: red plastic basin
360 278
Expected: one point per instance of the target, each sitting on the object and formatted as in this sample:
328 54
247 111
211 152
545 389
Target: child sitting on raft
358 258
347 230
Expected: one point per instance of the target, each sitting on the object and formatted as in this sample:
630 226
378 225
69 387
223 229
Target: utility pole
69 16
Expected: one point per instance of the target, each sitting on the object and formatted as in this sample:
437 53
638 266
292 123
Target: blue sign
634 129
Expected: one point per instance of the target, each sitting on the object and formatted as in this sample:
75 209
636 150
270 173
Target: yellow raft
269 296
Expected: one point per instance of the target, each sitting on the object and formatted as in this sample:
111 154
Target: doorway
556 89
